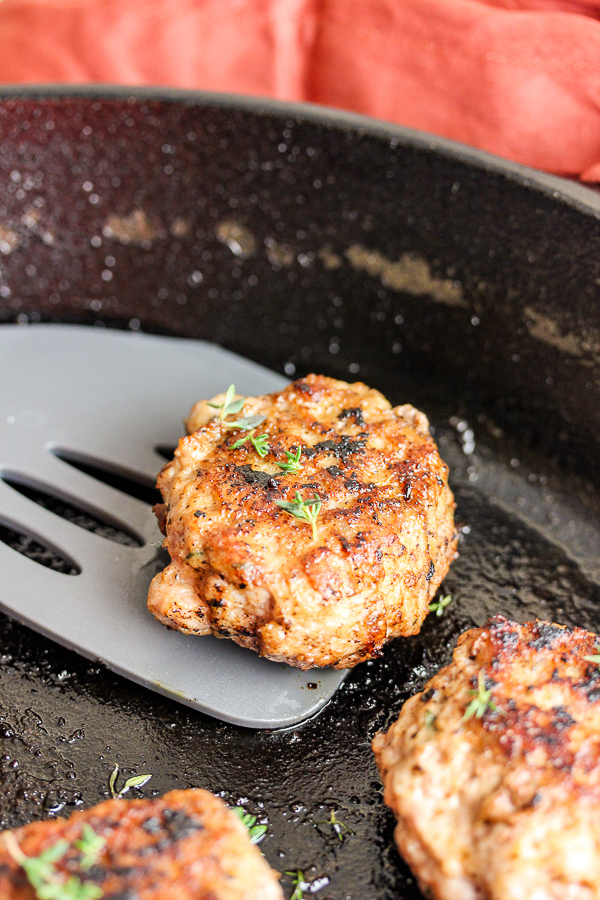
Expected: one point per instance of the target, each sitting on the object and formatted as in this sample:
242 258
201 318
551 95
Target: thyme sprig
481 702
440 605
257 832
298 883
307 510
91 846
230 405
137 781
259 443
594 659
293 464
341 829
43 875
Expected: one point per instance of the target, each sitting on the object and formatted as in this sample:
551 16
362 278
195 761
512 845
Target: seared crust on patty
186 845
244 568
505 806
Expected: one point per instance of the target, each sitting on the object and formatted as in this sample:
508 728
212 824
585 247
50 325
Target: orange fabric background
520 78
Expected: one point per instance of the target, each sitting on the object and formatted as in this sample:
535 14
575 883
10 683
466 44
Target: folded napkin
520 78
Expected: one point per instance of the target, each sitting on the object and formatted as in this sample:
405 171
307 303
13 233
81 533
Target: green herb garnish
440 605
307 510
293 463
91 846
46 880
230 406
429 718
247 423
257 832
339 827
482 700
594 659
259 443
298 882
195 554
137 781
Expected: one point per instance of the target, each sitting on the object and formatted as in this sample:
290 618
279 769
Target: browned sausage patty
505 805
244 568
186 845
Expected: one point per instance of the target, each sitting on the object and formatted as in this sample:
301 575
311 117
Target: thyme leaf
440 605
482 700
293 464
257 832
137 781
259 443
230 406
594 659
247 423
307 510
46 880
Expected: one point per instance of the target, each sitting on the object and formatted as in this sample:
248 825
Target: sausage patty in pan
493 771
314 537
187 845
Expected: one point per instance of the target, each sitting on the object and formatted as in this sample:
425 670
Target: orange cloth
520 78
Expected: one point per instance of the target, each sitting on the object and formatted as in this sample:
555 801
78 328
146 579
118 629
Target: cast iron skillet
331 243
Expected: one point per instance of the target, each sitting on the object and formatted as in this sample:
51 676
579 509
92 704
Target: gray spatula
110 398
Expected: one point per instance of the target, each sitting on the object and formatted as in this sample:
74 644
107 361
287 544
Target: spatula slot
131 483
30 546
67 508
167 451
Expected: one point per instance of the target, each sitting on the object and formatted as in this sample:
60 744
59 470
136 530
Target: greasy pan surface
311 242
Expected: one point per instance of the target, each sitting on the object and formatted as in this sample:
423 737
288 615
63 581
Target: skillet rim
559 189
574 193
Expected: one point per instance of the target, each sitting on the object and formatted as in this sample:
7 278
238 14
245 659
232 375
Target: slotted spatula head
75 399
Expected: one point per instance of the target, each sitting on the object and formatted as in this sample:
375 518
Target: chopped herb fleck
339 828
137 781
259 443
293 464
307 510
195 554
91 846
482 700
46 880
594 659
257 832
429 718
298 883
440 605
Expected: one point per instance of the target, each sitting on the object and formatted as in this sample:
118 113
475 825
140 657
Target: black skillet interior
310 241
